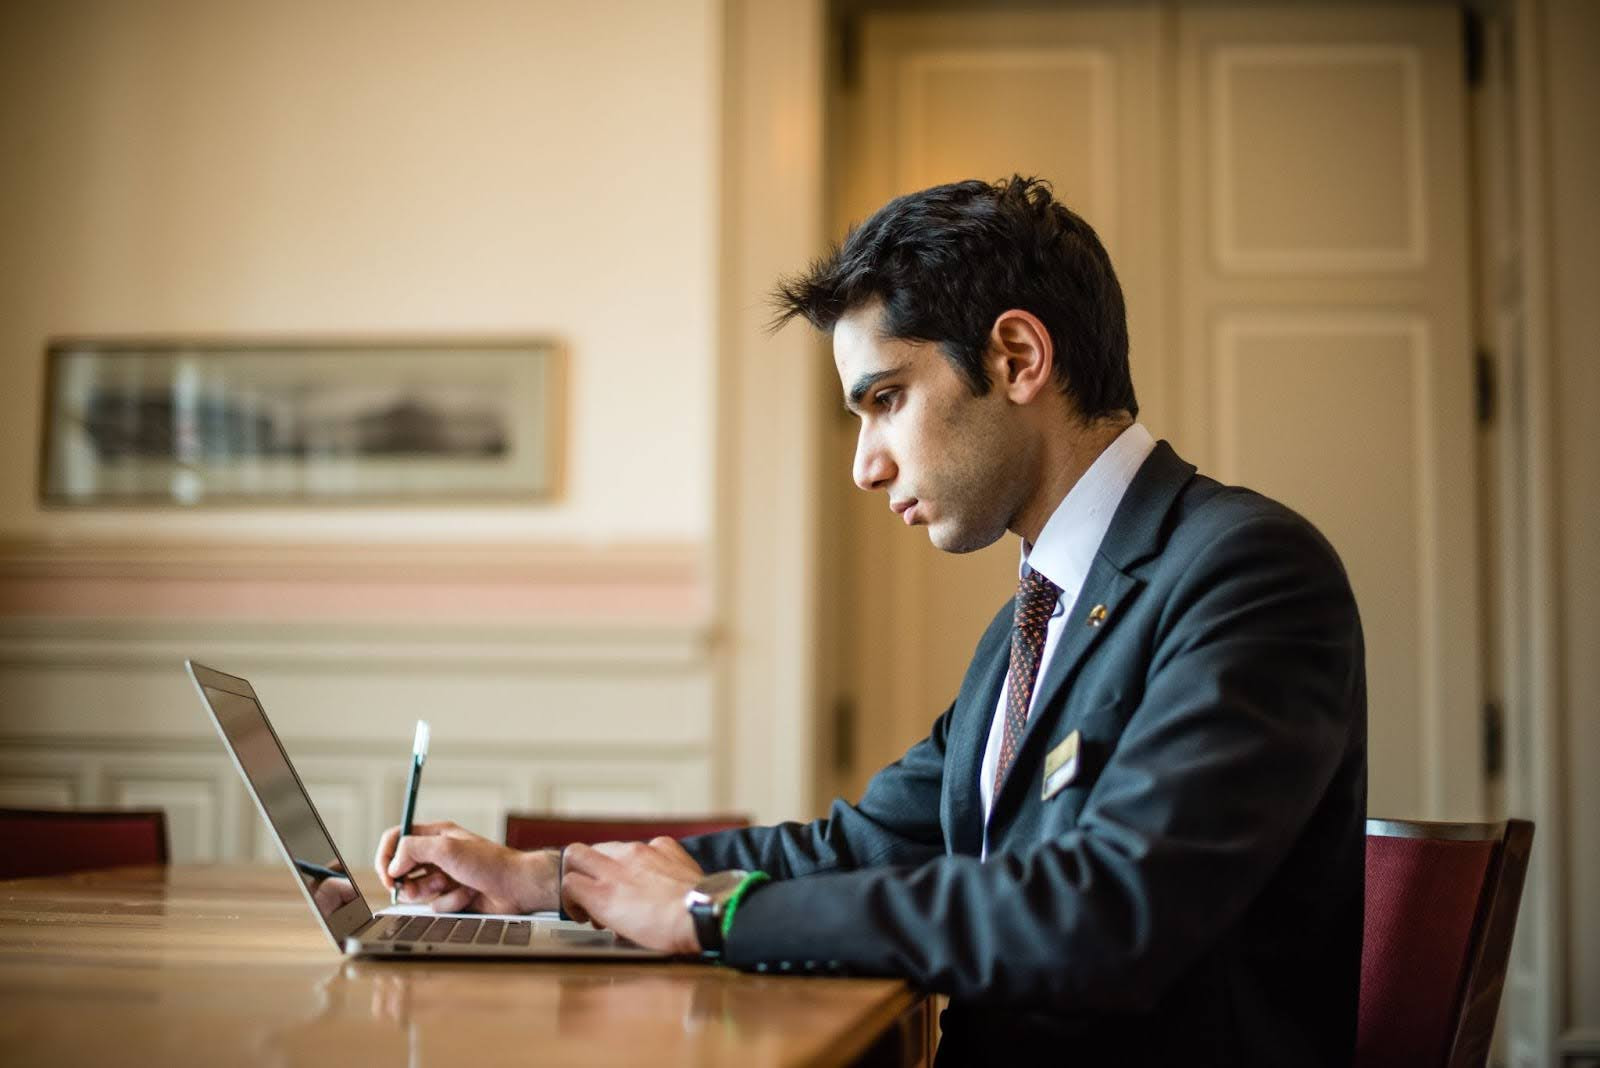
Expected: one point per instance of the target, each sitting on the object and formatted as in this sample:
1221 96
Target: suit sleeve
896 822
1254 684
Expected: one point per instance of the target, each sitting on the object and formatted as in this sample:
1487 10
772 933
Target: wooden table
224 965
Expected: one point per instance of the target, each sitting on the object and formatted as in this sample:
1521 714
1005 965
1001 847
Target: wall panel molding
1379 368
580 649
195 793
1232 327
386 561
357 787
1235 255
459 583
579 716
26 785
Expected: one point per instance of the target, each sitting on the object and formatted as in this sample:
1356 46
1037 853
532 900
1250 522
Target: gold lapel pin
1097 615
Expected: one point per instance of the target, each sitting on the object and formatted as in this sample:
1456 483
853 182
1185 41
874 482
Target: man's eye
885 398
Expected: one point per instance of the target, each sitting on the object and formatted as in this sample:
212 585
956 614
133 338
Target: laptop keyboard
452 931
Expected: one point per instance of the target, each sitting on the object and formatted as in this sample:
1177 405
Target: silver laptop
325 880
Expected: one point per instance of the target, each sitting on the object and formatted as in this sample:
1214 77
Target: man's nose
872 470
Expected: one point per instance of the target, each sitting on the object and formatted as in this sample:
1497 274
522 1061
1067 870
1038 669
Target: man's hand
635 889
469 873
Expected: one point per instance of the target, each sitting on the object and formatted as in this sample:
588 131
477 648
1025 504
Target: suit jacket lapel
1134 535
966 748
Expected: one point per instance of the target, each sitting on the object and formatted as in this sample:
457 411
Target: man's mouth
905 509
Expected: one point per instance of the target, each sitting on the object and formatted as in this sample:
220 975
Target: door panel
1285 388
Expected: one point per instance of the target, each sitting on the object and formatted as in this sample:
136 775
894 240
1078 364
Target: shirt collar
1072 534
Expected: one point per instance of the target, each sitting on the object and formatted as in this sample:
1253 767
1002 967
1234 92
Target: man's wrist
711 904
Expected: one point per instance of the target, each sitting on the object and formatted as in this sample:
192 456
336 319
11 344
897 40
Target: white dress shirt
1065 550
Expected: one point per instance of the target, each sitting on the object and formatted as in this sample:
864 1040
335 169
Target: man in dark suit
1137 835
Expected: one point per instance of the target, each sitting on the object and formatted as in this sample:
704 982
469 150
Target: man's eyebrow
852 400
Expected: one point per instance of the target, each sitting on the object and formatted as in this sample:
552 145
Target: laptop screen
282 799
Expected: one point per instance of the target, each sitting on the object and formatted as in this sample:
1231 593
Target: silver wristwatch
707 903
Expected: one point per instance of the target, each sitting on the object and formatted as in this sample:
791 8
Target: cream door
1324 338
1283 192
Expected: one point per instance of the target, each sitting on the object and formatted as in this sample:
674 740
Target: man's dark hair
947 261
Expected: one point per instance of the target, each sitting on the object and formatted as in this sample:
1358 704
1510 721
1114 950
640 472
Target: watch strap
707 929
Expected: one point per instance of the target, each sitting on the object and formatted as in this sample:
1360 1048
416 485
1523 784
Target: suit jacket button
786 966
761 967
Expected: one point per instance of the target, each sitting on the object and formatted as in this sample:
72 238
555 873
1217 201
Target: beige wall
500 166
1572 86
521 166
298 167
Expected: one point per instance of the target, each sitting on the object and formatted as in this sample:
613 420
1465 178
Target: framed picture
189 423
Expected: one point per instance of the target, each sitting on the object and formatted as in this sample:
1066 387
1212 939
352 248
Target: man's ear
1021 355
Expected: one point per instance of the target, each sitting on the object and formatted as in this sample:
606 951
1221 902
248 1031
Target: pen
419 754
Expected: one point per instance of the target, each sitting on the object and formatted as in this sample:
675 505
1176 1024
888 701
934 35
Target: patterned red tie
1036 603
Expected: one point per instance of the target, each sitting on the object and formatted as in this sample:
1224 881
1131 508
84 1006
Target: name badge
1061 766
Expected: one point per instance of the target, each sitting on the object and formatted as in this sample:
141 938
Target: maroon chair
58 841
538 830
1441 906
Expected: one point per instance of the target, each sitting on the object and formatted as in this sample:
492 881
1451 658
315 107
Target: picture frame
186 423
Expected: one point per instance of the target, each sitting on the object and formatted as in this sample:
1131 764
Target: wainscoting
556 711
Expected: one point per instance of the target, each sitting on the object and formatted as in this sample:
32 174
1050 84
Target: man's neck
1067 456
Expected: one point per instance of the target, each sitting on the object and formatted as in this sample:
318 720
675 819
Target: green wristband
750 881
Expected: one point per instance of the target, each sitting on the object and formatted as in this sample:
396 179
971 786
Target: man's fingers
662 855
602 855
594 860
564 900
675 859
670 846
456 900
414 850
614 850
582 896
386 844
402 859
426 887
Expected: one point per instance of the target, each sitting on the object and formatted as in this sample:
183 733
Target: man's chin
951 538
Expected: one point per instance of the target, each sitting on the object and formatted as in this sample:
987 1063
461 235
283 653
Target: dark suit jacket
1194 896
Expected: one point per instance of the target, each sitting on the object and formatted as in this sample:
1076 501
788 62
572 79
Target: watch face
719 884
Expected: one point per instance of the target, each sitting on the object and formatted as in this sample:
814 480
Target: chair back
59 841
1441 906
526 830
